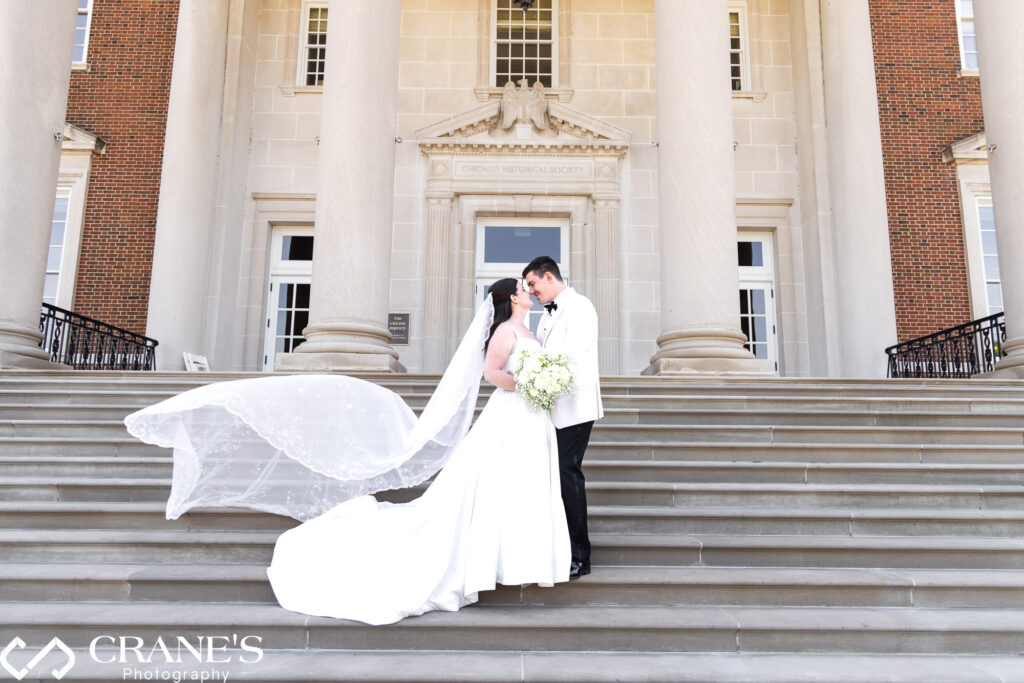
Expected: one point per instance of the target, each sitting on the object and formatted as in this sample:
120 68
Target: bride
313 447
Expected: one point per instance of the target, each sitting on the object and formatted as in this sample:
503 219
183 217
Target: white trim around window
80 52
312 38
739 46
966 37
544 14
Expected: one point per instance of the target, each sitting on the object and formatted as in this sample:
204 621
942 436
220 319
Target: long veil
299 445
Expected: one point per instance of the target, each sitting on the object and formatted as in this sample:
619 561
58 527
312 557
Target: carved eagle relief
524 105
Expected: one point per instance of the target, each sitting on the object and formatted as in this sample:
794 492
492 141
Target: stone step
672 550
642 433
506 666
628 519
57 466
159 467
836 452
115 405
746 586
675 411
799 472
965 497
547 628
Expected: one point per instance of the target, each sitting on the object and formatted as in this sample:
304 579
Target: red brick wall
123 99
924 106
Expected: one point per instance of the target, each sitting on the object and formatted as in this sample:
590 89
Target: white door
757 295
288 286
505 245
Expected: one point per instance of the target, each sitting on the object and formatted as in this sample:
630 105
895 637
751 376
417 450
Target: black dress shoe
576 570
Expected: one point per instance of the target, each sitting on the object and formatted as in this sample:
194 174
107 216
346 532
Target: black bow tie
551 307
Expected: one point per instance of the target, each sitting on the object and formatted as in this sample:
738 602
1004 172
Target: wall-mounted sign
398 326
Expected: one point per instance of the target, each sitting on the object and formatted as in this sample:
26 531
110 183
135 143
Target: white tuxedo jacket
572 329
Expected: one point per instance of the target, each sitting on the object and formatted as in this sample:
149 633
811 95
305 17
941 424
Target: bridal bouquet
542 377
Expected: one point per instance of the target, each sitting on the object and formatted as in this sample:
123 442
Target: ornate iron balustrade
956 353
87 344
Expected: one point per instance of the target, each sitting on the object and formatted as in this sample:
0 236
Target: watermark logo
19 644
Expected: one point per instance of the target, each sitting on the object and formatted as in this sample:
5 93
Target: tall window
524 43
739 62
55 256
313 58
82 31
757 295
288 290
990 256
968 43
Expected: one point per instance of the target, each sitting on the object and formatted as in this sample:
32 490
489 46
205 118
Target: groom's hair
542 265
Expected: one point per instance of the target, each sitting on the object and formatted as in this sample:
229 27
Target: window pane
302 296
744 302
994 291
57 233
987 218
53 259
301 320
297 248
967 8
50 287
60 209
509 244
971 61
991 267
750 254
83 5
760 329
757 301
988 242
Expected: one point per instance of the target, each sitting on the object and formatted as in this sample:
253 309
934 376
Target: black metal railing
956 353
87 344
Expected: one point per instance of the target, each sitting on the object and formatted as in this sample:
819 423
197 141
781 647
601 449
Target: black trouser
572 443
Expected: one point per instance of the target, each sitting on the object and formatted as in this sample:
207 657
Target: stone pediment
972 149
523 121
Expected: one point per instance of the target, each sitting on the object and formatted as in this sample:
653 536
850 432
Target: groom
570 327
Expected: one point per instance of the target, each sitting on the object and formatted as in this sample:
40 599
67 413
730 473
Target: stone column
866 307
439 269
699 268
607 283
179 284
1000 24
355 194
36 38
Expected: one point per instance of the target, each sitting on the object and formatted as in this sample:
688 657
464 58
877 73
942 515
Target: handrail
88 344
955 353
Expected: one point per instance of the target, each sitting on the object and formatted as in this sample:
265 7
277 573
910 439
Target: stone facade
242 160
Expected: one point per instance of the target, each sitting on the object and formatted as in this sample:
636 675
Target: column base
678 367
19 348
1010 367
12 360
337 362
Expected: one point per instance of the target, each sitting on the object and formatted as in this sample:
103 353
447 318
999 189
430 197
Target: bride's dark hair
500 292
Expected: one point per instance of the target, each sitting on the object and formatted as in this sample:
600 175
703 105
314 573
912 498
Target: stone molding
970 150
560 94
571 170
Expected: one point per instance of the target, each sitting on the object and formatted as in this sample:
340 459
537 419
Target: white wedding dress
314 447
494 514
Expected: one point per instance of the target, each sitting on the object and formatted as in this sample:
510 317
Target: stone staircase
768 530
